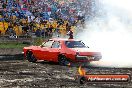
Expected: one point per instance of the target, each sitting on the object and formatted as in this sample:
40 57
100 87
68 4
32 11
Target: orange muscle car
62 51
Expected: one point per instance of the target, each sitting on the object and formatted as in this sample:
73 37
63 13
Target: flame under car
64 51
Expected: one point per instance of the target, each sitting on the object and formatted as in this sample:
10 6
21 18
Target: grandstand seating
16 13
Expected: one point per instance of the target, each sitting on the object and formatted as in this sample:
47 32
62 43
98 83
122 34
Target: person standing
70 33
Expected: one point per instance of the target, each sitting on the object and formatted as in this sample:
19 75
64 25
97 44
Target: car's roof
63 39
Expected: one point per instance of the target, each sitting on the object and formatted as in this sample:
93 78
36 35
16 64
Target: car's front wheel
30 57
63 61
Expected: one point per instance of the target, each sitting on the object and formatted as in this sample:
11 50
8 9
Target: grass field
12 45
20 44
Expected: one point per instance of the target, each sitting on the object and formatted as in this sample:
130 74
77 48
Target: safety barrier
11 57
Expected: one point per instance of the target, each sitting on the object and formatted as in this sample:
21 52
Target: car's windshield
75 44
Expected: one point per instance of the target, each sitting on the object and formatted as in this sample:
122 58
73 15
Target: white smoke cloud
111 33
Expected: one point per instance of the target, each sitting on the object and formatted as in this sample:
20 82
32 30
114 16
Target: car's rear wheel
30 57
63 61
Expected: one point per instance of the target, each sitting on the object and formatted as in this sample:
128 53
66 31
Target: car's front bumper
88 58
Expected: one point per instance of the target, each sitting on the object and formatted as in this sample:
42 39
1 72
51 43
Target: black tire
30 57
63 60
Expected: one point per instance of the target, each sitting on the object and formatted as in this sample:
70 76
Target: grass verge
12 45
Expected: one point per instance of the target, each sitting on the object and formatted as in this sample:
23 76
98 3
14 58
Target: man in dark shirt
70 33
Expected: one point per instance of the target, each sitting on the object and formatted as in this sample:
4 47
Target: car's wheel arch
30 52
61 54
27 51
63 60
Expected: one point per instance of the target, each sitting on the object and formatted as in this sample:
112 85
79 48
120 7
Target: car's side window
56 44
48 44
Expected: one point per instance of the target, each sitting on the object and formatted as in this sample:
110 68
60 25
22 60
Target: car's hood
86 51
83 50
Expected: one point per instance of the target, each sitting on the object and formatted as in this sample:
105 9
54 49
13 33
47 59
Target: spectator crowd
42 17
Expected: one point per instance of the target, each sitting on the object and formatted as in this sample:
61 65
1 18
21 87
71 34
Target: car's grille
96 58
81 58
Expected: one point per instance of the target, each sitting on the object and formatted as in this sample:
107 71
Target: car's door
45 50
38 52
54 51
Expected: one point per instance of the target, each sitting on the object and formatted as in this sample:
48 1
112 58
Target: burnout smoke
111 33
